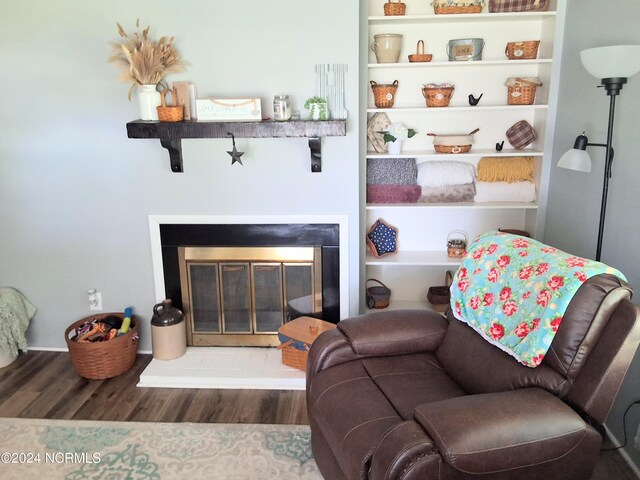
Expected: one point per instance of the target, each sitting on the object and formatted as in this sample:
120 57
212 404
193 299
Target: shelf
466 205
414 258
439 110
404 305
475 64
171 134
456 18
478 152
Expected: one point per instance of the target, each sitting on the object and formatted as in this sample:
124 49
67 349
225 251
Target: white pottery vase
395 147
148 100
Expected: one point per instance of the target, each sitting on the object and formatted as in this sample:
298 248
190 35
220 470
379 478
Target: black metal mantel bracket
171 134
174 146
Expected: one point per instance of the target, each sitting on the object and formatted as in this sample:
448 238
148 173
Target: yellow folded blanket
506 169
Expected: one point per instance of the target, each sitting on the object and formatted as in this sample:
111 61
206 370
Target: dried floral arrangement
144 61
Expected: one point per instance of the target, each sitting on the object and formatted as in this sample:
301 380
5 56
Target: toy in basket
297 337
103 346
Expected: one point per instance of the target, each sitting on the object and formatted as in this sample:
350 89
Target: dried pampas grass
144 61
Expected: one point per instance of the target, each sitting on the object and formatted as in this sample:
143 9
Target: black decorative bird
499 146
235 154
473 101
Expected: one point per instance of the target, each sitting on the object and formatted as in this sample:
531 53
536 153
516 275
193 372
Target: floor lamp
612 65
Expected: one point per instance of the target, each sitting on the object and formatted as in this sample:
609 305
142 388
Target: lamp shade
618 61
576 159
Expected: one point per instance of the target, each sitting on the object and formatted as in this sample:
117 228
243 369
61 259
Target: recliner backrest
479 367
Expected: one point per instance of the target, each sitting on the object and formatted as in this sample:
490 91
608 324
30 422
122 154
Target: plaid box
500 6
521 134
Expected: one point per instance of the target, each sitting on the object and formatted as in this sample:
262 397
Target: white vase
395 147
148 100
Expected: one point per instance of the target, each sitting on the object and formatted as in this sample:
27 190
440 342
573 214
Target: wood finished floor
45 385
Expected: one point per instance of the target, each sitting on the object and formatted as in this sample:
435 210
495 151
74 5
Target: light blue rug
79 450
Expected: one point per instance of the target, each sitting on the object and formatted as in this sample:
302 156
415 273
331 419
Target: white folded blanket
505 192
446 172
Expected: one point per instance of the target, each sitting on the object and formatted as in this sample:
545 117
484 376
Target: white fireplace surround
341 220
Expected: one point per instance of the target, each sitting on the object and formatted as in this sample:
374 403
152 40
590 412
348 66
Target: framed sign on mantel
229 109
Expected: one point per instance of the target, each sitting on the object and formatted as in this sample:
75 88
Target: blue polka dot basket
382 239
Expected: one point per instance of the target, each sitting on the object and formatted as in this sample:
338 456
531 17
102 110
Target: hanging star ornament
235 154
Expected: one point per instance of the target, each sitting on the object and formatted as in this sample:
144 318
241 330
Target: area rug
79 450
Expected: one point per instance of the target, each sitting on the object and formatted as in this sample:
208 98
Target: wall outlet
95 299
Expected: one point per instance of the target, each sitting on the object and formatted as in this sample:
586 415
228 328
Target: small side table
296 338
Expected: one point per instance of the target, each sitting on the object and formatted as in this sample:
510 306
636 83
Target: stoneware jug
387 47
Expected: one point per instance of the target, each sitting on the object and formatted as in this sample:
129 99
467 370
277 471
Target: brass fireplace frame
258 257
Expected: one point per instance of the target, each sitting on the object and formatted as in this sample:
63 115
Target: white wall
75 192
574 198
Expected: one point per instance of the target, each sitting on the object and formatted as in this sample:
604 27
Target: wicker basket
394 8
384 94
297 337
527 50
521 91
100 360
444 9
437 96
420 56
377 296
452 148
173 113
440 297
456 246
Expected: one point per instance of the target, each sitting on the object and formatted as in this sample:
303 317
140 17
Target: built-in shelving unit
171 134
424 227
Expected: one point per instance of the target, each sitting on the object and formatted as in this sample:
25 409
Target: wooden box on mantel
296 338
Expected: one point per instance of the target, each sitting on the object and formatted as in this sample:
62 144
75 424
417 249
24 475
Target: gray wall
574 198
75 192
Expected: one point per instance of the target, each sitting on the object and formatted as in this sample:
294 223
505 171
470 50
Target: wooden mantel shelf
171 134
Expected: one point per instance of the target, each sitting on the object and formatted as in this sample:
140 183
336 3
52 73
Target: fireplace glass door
241 296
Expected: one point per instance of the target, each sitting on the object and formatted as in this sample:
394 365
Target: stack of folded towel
392 180
505 179
446 181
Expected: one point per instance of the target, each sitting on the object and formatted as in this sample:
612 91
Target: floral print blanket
515 290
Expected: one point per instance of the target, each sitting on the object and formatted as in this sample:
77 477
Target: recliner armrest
494 432
394 332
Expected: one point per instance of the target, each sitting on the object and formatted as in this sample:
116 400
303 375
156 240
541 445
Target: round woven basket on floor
100 360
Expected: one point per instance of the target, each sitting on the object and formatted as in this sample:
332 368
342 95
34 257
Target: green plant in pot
317 107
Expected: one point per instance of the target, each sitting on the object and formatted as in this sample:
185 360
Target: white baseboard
623 453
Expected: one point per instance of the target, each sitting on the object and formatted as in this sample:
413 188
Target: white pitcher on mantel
148 100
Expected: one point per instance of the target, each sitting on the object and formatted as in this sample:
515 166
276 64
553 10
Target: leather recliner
413 395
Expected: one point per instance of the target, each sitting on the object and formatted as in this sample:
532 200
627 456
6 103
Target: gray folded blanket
15 314
391 171
448 193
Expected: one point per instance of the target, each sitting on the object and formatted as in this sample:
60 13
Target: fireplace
297 264
241 296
